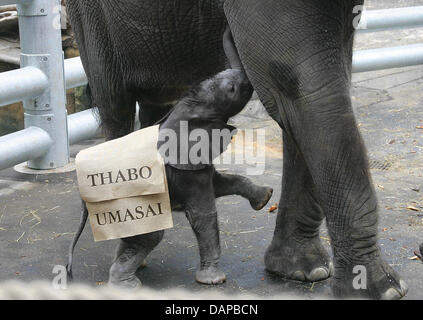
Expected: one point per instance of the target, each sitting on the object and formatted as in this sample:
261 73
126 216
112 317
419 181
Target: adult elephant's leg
156 103
298 55
117 114
151 113
108 91
296 250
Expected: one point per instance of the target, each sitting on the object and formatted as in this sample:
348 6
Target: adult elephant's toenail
331 269
404 287
391 294
318 274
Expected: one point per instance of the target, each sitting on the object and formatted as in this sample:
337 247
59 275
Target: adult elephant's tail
82 222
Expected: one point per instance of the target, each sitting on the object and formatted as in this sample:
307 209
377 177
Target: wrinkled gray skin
297 55
208 106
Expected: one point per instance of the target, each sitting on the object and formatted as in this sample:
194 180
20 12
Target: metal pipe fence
386 19
20 84
44 76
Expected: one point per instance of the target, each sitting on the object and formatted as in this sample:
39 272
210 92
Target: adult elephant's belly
167 43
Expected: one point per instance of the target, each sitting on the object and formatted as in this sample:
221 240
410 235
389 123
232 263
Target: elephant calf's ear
220 137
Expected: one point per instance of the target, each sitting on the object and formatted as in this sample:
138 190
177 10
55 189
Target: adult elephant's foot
210 275
374 280
260 197
299 259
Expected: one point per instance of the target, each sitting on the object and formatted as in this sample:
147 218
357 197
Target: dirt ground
39 213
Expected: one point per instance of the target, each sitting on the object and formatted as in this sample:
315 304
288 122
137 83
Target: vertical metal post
41 44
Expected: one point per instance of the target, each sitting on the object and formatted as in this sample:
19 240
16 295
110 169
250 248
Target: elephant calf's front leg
206 229
232 184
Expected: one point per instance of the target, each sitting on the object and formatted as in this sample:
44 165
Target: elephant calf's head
187 138
205 109
226 94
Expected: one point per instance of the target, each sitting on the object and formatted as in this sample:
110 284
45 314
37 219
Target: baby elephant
192 184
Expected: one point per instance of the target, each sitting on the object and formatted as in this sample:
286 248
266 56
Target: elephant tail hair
82 222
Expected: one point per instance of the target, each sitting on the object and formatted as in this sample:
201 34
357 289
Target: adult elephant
297 54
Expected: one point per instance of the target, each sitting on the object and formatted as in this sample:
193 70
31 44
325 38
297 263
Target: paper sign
121 168
124 184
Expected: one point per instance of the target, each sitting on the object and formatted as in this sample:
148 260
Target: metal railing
40 84
394 57
44 76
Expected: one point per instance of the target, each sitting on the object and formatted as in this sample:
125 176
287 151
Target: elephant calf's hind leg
130 255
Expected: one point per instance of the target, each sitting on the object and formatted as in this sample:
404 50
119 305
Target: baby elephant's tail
84 216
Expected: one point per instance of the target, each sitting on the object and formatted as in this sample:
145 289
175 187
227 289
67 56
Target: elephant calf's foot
210 275
375 280
301 260
123 280
260 197
131 283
